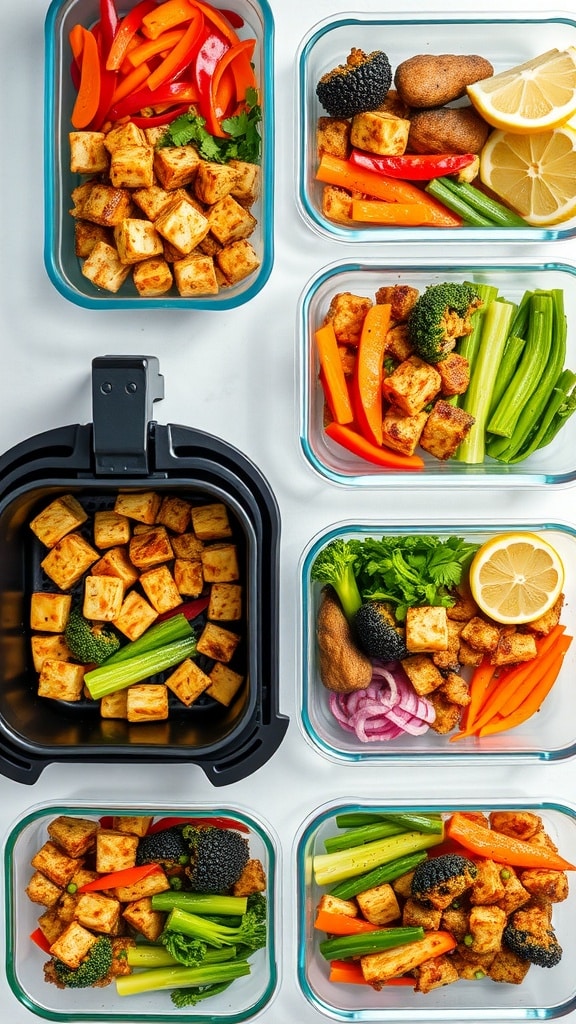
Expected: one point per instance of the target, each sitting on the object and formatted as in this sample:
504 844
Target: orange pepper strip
235 54
333 379
88 95
132 81
486 842
176 57
374 211
225 97
364 449
368 372
151 47
76 40
350 973
342 924
217 19
530 704
125 876
127 28
166 16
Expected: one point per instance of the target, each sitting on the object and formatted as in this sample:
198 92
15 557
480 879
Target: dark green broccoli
167 847
218 857
334 565
182 997
440 880
93 968
530 936
185 949
90 642
441 315
360 84
377 634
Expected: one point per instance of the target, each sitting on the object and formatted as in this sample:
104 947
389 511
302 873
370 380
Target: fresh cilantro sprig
243 141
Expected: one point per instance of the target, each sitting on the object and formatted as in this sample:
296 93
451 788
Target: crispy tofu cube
411 386
247 185
176 166
225 683
182 225
86 235
546 622
110 529
225 602
379 904
213 181
508 968
464 607
480 634
421 915
188 577
515 895
104 268
152 276
252 879
142 506
400 297
188 681
401 432
115 850
347 313
486 927
422 673
150 548
88 154
454 371
220 563
79 196
195 274
455 689
143 919
333 137
63 515
380 132
435 973
426 629
447 714
153 200
55 863
448 659
42 890
336 204
237 260
445 429
545 884
73 945
187 546
211 522
147 702
160 588
76 836
146 887
114 705
468 656
107 205
103 596
132 167
135 615
136 825
51 925
53 646
513 648
229 221
98 912
115 562
335 905
126 134
61 680
174 514
49 612
488 885
398 344
137 240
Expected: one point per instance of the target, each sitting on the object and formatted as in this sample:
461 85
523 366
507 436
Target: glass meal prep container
504 40
62 265
548 736
124 449
24 961
554 465
545 994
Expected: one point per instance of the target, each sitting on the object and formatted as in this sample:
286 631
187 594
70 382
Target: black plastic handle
124 389
248 757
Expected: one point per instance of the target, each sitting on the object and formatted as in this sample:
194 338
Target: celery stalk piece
108 678
180 977
510 358
175 628
330 868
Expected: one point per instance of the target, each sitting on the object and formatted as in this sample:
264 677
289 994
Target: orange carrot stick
165 17
88 95
541 666
356 443
486 842
151 47
333 379
350 973
480 681
130 83
377 211
530 705
368 372
340 924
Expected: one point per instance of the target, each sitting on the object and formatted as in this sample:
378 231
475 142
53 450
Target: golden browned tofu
148 886
110 529
398 344
333 137
188 577
520 824
229 221
115 850
135 616
98 912
546 622
140 505
486 925
435 973
136 239
88 154
182 225
104 268
79 196
160 588
224 683
53 646
73 945
379 905
220 563
402 432
455 374
411 386
237 260
549 885
124 134
508 968
445 429
337 204
135 825
140 916
211 522
247 186
488 885
115 562
426 629
455 920
217 642
481 634
51 925
174 513
114 705
195 274
75 836
49 612
55 864
515 895
147 702
150 548
347 313
213 181
252 879
63 515
400 297
447 714
422 673
225 602
188 681
103 597
380 132
86 235
468 656
42 890
61 680
132 166
176 166
153 200
456 689
463 608
417 914
514 647
107 205
448 660
152 276
336 905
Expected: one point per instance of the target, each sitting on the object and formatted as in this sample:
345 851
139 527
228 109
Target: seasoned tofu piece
188 577
400 297
398 345
401 432
150 548
63 515
435 973
237 260
486 925
347 313
176 166
447 714
142 506
143 919
225 602
125 134
195 274
252 879
61 680
380 132
468 656
217 642
152 276
115 562
220 563
154 199
549 885
55 864
88 154
481 634
417 914
79 196
513 648
146 887
136 240
53 646
426 629
403 885
182 225
211 522
422 673
49 612
448 660
147 702
229 221
107 205
86 235
75 836
174 514
51 925
103 597
336 204
73 945
160 588
188 681
411 386
522 825
333 137
445 429
98 912
247 185
515 895
224 683
132 166
110 529
546 622
42 890
379 905
187 546
135 615
115 850
464 607
213 181
335 905
509 968
114 705
454 371
488 885
455 689
137 825
455 920
104 268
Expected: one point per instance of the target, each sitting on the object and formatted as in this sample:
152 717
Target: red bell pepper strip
215 17
151 47
88 95
413 167
157 120
126 29
210 52
360 446
126 876
130 83
236 20
191 609
216 822
40 940
171 92
109 21
181 55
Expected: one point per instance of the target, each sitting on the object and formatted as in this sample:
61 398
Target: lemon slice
516 577
534 174
532 97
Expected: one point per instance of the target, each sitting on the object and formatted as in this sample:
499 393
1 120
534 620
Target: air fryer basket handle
249 757
124 389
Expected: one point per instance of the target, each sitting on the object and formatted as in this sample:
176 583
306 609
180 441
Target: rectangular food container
553 465
124 449
24 961
255 20
547 994
548 736
504 40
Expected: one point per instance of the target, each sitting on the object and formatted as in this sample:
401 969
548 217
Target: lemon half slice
516 577
531 97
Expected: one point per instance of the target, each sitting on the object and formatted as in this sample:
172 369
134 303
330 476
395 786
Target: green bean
369 942
378 876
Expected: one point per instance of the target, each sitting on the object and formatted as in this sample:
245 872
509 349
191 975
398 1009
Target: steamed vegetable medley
456 371
174 904
426 900
418 633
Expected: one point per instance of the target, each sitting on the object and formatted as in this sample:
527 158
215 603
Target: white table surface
233 375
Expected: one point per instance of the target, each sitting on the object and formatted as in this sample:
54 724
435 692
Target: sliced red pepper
236 20
157 120
359 445
216 822
210 52
109 20
40 940
124 32
170 92
413 167
191 609
126 876
181 55
106 821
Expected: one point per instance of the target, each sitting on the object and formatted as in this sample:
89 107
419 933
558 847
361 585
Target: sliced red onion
386 709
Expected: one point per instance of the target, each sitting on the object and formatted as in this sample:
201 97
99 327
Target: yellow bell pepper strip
364 449
413 166
127 28
181 55
88 95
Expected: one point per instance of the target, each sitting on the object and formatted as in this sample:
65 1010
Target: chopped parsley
244 141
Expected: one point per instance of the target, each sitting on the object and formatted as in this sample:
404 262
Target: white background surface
232 374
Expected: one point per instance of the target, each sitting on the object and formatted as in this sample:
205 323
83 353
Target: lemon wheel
516 578
531 97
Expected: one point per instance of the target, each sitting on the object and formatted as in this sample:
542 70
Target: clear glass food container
549 736
544 994
62 265
553 465
24 960
504 40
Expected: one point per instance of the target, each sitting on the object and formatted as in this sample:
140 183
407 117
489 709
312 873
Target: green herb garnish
244 141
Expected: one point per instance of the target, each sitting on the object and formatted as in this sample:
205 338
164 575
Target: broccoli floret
440 880
441 316
93 968
182 997
186 950
90 642
530 936
358 85
250 932
334 565
217 857
258 905
167 846
376 632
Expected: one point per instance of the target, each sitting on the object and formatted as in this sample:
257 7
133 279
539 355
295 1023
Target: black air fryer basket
125 449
